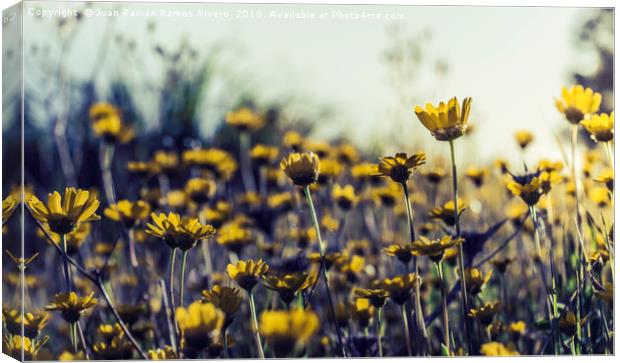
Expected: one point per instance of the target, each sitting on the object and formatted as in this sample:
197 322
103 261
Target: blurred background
176 77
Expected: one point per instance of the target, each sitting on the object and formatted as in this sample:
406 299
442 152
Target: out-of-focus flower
502 165
113 130
179 232
32 322
167 162
228 299
245 119
8 207
345 196
234 236
517 328
495 349
288 285
434 175
293 140
363 311
218 161
475 280
401 251
329 170
600 127
71 306
321 148
141 169
446 122
576 103
199 323
568 323
302 169
485 313
247 273
524 138
435 248
130 313
67 356
101 110
65 213
446 212
598 195
166 353
399 287
127 212
263 154
606 177
347 153
217 214
15 345
375 296
365 172
286 331
477 175
607 294
400 167
282 202
501 264
200 190
387 195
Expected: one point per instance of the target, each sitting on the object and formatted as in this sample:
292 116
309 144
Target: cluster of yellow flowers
321 251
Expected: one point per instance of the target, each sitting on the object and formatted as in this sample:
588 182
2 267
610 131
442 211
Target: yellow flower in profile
218 161
345 196
434 249
375 296
245 119
387 195
63 214
71 306
127 212
399 287
199 323
281 201
495 349
200 190
598 195
524 138
32 322
141 169
263 154
329 170
401 251
8 207
517 327
247 273
117 348
288 285
600 127
366 172
576 103
446 122
400 166
15 345
485 313
166 161
529 187
347 153
606 177
301 168
183 233
446 212
568 323
286 331
228 299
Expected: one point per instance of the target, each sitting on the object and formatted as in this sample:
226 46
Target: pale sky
512 61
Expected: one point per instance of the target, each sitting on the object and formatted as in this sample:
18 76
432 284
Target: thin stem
107 154
183 263
379 326
461 260
259 345
65 264
444 306
246 163
132 248
173 257
403 314
169 322
317 228
421 328
225 340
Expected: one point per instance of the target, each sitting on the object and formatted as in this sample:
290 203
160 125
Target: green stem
132 248
183 264
225 340
173 257
259 345
403 314
461 260
317 228
65 264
